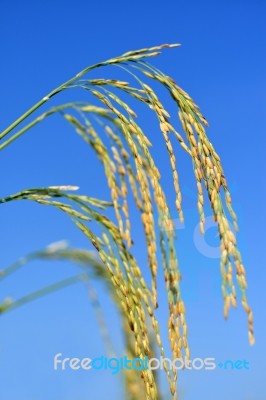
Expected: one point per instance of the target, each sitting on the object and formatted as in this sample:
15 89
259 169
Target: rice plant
108 124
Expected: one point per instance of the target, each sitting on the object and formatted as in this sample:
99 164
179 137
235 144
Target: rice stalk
130 169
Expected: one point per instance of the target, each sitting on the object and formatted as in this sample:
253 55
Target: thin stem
130 56
99 314
46 98
18 264
30 111
36 121
43 292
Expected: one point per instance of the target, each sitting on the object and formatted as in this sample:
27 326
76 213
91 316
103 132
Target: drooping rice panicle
207 167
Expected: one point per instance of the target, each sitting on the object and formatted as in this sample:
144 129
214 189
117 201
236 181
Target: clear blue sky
222 65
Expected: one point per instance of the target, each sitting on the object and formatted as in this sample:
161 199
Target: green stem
19 133
43 292
17 265
130 56
30 111
35 122
46 98
25 193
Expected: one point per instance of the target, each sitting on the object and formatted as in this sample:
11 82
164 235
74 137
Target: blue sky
222 65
